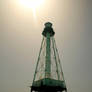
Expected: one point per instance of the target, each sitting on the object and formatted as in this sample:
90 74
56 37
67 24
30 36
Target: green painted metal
48 29
49 82
59 59
48 57
48 65
55 59
38 60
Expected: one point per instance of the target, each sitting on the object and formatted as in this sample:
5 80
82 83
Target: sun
32 3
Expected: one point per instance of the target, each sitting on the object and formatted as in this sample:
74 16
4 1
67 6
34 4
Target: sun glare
32 3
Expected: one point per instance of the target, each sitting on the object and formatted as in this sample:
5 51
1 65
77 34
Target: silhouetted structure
48 75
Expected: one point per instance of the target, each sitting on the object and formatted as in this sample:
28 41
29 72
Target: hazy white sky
20 39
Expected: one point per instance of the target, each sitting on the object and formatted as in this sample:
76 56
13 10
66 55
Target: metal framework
48 75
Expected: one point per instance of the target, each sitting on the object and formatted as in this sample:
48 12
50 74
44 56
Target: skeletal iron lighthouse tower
48 75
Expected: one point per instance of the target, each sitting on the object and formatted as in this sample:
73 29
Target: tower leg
31 90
